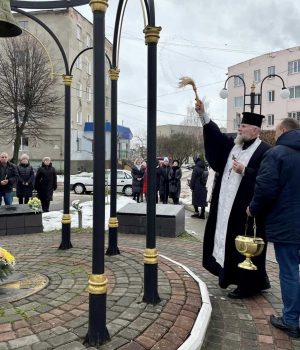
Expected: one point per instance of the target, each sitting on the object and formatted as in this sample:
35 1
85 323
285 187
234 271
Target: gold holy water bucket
250 247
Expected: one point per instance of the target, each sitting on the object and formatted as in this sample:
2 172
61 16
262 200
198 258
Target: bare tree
139 143
192 118
180 146
28 102
268 136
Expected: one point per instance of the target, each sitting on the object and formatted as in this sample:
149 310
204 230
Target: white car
83 182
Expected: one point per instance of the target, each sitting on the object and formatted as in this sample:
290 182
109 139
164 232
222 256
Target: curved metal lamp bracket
149 20
44 5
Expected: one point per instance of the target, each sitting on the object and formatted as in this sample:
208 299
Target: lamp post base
97 333
65 237
112 248
150 284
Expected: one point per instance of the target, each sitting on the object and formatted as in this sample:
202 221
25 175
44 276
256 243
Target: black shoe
291 331
238 294
196 215
202 217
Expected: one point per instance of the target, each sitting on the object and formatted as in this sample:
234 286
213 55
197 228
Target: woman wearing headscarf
164 181
198 187
137 173
25 179
175 175
46 183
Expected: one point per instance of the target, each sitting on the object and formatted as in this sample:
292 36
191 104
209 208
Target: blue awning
123 131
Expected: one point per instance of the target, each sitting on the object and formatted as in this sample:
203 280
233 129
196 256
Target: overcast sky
200 39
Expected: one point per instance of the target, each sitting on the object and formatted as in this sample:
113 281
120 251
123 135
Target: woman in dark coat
164 181
46 183
175 175
137 173
25 180
198 187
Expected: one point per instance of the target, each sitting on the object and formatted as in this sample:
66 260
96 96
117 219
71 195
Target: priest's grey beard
240 139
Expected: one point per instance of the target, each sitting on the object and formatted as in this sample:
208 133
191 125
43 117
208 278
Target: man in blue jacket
277 196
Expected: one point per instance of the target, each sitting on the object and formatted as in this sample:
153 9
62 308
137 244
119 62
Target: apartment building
285 63
75 33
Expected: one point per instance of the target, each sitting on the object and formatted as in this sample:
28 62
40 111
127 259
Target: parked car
83 182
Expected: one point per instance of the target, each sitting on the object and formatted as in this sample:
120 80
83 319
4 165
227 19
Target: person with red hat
236 162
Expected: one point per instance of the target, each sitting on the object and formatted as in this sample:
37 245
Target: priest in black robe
236 162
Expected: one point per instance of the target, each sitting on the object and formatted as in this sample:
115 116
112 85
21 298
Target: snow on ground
52 220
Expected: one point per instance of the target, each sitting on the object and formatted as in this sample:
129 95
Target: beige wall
280 107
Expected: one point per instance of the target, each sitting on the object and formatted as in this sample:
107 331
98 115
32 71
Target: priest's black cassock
218 147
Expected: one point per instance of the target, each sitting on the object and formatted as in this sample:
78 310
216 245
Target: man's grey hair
290 124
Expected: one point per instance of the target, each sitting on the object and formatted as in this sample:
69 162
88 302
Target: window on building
271 95
79 117
88 93
88 67
257 75
78 63
78 144
294 67
78 32
88 40
295 115
24 143
237 121
238 81
270 119
294 91
24 24
79 89
238 101
107 101
271 70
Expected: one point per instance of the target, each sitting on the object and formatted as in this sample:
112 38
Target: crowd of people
168 182
25 181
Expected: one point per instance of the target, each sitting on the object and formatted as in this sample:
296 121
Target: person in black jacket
164 181
277 196
8 178
198 187
46 183
175 175
236 163
137 173
25 180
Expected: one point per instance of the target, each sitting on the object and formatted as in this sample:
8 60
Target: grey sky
200 39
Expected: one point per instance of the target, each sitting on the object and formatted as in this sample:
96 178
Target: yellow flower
4 254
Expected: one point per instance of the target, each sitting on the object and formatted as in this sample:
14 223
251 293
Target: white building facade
285 63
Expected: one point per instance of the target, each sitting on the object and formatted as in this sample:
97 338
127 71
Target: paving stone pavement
57 316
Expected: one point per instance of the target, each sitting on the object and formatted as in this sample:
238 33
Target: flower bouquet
35 204
7 263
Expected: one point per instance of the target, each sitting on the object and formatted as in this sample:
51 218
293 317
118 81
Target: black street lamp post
67 80
150 254
97 332
255 99
113 221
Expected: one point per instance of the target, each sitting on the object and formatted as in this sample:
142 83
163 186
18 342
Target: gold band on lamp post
66 219
150 256
114 73
67 79
151 34
113 222
99 5
97 284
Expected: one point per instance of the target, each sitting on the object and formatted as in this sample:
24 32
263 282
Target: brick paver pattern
57 316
